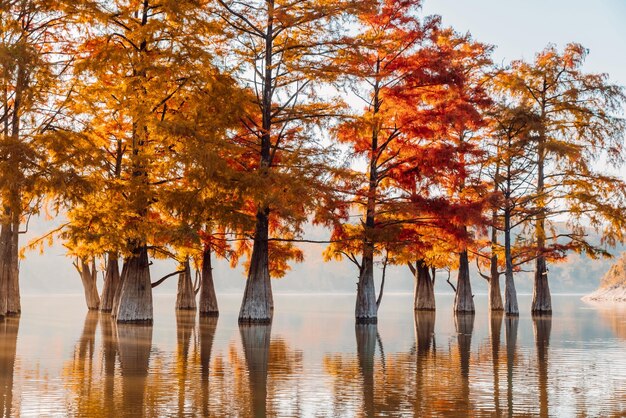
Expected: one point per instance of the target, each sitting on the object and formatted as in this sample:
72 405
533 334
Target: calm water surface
313 361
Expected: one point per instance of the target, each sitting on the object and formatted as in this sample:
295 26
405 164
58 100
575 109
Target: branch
167 276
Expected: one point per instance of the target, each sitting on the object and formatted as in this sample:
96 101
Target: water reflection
542 325
256 346
134 342
306 364
9 327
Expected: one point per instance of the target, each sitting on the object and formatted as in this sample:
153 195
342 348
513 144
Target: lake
58 359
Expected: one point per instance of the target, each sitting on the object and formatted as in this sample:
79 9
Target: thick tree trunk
542 328
424 293
136 297
134 342
88 276
257 305
542 302
366 347
463 300
118 291
185 296
111 282
208 300
366 308
255 339
8 344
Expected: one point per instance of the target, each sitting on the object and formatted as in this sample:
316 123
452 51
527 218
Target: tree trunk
8 344
208 300
136 297
424 293
185 296
463 300
14 305
366 347
5 266
510 294
495 295
111 282
258 305
255 339
366 308
542 302
88 277
118 291
134 343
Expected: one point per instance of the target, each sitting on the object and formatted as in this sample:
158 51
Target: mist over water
57 359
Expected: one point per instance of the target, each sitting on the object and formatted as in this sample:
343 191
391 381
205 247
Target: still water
59 360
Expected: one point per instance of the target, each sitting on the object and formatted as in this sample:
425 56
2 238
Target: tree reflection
542 326
206 333
464 324
255 339
185 323
9 327
511 323
134 342
495 330
366 347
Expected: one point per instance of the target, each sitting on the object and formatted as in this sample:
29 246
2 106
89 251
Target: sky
517 28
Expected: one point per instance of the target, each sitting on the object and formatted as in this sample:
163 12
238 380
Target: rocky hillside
613 284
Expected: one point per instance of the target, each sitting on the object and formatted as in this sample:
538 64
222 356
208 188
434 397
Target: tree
33 65
578 124
283 53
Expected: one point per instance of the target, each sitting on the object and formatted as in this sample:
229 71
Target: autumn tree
33 66
143 81
579 125
282 50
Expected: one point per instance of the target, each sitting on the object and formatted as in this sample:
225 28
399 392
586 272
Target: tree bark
111 282
88 276
118 291
257 305
14 305
542 301
135 303
208 300
255 339
510 294
366 308
5 266
185 296
463 300
424 292
495 296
